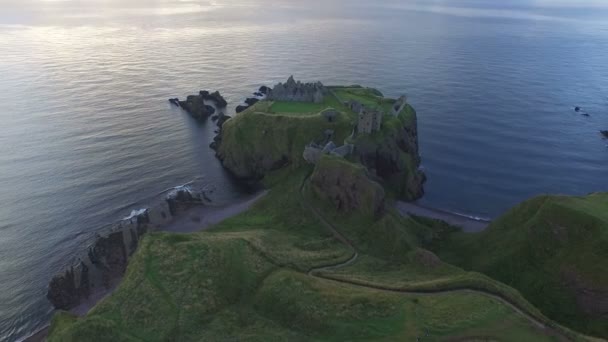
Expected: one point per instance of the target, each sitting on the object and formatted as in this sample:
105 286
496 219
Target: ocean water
86 134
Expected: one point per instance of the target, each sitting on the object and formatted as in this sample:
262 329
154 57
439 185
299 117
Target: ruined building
369 119
293 91
313 152
398 105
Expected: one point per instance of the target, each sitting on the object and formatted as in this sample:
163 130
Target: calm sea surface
86 134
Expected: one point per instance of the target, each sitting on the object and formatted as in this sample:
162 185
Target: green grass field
553 249
296 107
368 97
247 279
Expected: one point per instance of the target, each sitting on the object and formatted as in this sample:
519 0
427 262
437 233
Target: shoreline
468 224
200 217
193 219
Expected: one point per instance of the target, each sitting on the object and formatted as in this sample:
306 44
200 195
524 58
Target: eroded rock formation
197 105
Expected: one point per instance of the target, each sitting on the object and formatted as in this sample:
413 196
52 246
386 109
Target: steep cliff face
106 260
392 155
347 186
253 143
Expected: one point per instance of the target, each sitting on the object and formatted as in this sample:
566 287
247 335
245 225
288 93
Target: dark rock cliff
347 186
106 260
392 155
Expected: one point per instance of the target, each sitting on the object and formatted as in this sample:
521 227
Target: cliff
255 142
105 262
273 134
347 186
392 154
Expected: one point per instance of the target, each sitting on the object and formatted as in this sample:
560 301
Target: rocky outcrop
195 106
240 108
214 97
105 262
198 105
347 186
394 158
293 90
222 119
251 101
264 90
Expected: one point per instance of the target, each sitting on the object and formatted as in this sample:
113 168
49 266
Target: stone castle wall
296 91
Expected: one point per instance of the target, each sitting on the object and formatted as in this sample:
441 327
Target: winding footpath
556 332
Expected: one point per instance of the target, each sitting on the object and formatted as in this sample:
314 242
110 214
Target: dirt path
314 272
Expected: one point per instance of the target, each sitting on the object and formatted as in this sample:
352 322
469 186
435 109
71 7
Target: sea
87 135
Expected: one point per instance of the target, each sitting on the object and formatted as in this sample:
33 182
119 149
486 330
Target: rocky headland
263 139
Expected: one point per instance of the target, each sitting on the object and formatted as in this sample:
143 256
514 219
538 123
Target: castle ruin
296 91
369 119
313 152
398 105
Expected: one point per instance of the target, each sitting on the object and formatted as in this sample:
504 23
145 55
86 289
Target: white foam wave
472 217
135 213
182 188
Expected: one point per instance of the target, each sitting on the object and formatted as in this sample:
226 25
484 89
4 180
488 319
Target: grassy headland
247 280
325 257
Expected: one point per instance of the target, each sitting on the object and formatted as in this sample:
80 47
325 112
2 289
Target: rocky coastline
105 261
98 271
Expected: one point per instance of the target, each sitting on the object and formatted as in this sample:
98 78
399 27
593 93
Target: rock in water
577 109
241 108
264 90
604 133
251 101
196 106
209 109
222 119
219 100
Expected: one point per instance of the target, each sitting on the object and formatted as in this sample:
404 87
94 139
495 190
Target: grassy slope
296 107
540 246
243 280
256 136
